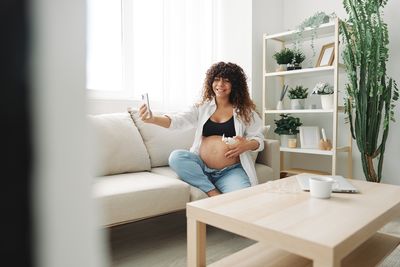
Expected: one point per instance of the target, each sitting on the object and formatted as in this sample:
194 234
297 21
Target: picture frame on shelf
309 137
326 56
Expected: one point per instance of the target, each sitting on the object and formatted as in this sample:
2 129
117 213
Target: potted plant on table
283 57
287 128
325 90
297 96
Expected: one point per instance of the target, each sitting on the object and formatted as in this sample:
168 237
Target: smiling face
222 87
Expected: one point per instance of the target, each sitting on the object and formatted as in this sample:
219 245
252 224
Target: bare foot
213 192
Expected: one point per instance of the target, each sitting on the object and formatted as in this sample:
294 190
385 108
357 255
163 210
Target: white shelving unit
326 30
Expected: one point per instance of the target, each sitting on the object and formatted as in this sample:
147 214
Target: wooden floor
161 242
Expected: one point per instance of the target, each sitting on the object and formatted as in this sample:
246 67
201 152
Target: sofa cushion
195 193
119 148
160 142
133 196
264 173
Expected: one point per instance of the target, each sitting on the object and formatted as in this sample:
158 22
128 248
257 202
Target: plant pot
297 103
290 66
281 67
285 138
297 66
279 105
327 101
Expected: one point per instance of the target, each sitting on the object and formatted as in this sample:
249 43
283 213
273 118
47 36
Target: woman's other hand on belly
234 150
240 146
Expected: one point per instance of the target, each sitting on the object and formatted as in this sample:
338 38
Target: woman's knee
235 180
235 185
177 156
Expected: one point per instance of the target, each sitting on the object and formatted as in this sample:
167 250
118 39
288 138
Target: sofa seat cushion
118 145
195 193
159 141
133 196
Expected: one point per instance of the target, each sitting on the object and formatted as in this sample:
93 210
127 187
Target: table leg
196 243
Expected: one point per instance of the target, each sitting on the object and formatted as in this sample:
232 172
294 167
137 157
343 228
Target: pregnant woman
227 129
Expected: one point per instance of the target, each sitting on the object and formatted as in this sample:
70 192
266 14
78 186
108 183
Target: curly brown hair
239 97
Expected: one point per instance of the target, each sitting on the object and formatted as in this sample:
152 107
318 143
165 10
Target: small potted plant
325 90
298 58
297 96
283 57
287 128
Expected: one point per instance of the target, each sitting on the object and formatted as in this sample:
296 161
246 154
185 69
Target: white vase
281 67
297 103
285 138
279 105
327 101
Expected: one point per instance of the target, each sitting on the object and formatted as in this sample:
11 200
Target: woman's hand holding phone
145 113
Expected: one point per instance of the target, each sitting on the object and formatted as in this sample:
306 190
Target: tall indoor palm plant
371 94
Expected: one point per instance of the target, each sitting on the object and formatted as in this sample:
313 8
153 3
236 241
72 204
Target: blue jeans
192 170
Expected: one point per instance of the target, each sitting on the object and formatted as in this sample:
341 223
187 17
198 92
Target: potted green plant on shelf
298 58
325 91
313 22
283 57
287 128
297 96
371 94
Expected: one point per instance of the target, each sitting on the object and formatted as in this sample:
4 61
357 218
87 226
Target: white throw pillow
264 131
160 141
119 148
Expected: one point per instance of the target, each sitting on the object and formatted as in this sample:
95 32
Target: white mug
321 187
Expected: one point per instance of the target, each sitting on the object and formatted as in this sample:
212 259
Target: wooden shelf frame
330 29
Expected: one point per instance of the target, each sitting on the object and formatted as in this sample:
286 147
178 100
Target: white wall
267 18
66 225
295 12
233 34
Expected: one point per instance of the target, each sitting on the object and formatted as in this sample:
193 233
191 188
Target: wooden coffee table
293 229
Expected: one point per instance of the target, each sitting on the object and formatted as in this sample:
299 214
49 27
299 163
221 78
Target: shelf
295 171
324 30
285 111
343 149
314 151
301 72
300 111
305 72
369 253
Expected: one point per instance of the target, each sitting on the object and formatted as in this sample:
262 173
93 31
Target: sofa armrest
270 156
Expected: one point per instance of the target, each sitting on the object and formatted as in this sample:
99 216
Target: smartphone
145 99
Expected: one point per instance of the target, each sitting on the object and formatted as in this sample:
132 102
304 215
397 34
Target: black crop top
216 128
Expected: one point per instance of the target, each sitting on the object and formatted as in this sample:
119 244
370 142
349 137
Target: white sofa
133 180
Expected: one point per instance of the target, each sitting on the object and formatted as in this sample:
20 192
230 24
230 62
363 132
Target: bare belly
212 152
